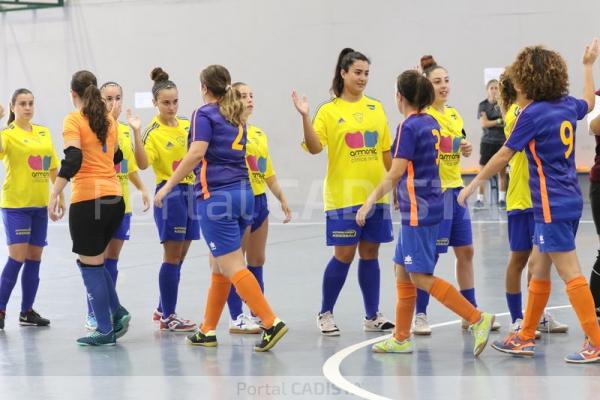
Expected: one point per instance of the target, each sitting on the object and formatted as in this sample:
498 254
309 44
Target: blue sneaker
96 338
90 322
588 354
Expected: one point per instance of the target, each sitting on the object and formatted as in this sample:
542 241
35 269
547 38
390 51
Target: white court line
331 367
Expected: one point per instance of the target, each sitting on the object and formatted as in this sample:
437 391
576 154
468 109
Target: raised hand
133 120
301 103
591 52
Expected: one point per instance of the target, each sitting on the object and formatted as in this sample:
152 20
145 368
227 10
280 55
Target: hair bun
427 62
159 75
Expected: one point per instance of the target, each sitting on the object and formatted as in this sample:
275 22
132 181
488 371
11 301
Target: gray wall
277 45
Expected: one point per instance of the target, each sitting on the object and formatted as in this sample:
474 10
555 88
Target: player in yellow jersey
30 162
521 223
354 129
126 170
163 146
455 228
262 176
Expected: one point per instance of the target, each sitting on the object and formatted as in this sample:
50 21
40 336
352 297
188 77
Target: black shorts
595 203
487 151
92 223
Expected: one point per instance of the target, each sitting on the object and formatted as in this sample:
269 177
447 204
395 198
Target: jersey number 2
566 136
236 145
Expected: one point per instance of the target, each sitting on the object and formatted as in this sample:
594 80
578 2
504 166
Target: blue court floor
45 363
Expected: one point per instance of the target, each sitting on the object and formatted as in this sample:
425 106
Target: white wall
277 45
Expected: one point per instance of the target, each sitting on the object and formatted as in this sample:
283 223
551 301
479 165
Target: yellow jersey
451 134
258 159
518 196
127 165
355 135
165 147
28 157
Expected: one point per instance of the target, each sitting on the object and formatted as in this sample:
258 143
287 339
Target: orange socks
447 294
216 299
582 301
248 289
539 292
405 307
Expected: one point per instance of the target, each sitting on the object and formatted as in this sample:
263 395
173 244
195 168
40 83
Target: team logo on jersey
122 167
256 164
181 140
408 260
358 117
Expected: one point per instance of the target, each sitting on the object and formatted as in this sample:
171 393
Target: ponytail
345 60
508 94
416 89
217 80
13 100
84 83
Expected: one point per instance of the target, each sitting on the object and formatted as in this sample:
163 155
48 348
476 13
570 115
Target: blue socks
159 306
168 282
469 294
422 302
94 279
234 302
368 280
257 271
30 281
333 281
111 266
8 279
515 306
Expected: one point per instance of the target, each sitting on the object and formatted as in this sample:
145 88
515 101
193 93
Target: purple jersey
419 189
546 130
224 163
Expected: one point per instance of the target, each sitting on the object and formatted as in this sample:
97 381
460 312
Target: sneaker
495 326
32 318
156 316
550 325
176 324
327 325
478 205
502 204
420 325
121 320
516 328
256 320
588 354
513 344
481 332
208 339
271 336
393 345
2 318
98 339
90 322
243 324
378 324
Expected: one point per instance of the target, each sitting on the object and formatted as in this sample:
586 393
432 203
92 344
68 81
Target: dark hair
345 60
540 73
428 65
416 89
84 83
111 83
217 80
161 81
13 100
508 94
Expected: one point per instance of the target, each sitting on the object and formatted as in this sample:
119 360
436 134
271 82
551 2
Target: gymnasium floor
46 362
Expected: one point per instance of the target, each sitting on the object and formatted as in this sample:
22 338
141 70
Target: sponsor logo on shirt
122 168
39 166
362 145
358 117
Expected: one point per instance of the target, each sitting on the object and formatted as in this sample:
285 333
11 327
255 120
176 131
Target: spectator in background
492 140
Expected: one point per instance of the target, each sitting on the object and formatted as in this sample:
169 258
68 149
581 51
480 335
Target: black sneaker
32 318
271 336
121 320
2 316
208 339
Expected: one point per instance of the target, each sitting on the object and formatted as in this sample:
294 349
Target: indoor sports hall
285 53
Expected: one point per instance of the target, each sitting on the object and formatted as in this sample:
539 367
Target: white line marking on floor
331 367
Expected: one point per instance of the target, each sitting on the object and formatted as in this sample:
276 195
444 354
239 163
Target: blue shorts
177 219
556 237
122 232
342 229
521 227
261 211
26 225
455 228
416 248
224 217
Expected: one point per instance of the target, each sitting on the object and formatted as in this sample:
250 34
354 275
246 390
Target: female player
455 228
91 151
421 205
112 93
30 162
546 130
354 129
163 146
262 175
595 203
218 142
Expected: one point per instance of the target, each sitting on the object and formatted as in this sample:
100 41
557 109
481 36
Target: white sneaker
327 325
243 324
495 326
550 325
378 324
517 326
420 325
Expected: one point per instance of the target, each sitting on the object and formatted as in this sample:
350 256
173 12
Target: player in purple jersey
545 128
226 202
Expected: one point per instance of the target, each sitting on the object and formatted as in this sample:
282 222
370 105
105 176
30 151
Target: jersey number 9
567 137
